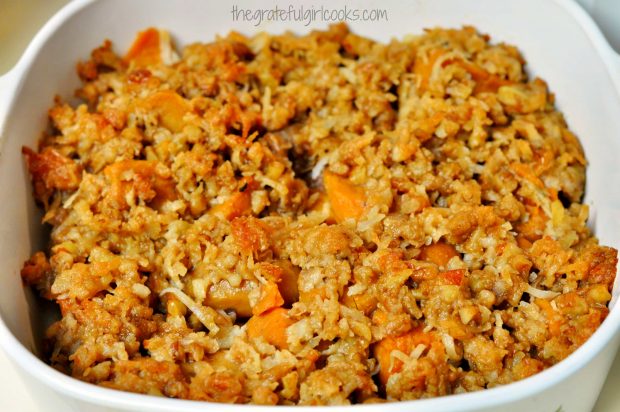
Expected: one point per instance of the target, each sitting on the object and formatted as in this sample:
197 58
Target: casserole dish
586 95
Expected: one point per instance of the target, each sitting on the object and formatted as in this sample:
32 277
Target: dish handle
8 84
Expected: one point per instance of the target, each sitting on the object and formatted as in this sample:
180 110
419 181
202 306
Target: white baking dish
559 41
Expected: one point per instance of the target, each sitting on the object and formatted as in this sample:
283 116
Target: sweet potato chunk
145 49
170 108
270 298
271 326
238 204
404 343
346 200
151 46
149 184
439 253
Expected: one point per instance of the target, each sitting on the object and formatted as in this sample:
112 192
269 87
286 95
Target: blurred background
606 13
19 22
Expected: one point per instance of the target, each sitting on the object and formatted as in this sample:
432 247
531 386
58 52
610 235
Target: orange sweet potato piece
170 108
271 326
146 49
404 343
141 175
346 199
438 253
238 204
523 242
270 298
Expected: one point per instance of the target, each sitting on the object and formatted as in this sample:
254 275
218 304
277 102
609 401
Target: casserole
585 105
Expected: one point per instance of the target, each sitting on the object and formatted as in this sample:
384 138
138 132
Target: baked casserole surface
317 219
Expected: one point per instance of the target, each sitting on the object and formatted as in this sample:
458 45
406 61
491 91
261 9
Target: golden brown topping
439 253
390 362
140 178
278 219
226 297
35 269
51 171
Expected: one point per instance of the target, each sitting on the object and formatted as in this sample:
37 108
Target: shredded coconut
539 293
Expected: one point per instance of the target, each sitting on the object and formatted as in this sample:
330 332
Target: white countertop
19 21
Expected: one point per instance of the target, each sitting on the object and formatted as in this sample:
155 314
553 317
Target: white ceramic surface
556 38
606 13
